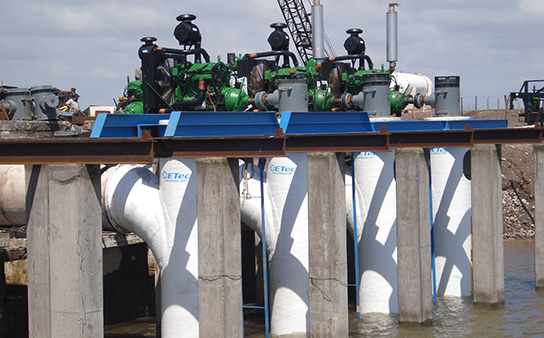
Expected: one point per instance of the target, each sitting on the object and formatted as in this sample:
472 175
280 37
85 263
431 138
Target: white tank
419 84
377 233
451 191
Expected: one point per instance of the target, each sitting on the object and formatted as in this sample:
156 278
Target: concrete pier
487 225
219 248
327 245
538 151
413 236
64 251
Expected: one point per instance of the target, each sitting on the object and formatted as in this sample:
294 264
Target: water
521 316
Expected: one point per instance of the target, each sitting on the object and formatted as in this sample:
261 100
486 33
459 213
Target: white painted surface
452 222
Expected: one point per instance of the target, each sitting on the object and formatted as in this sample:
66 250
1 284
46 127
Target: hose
521 201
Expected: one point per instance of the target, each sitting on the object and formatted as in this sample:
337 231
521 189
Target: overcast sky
494 45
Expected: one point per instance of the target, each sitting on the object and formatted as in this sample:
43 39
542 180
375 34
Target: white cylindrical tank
451 199
419 84
377 233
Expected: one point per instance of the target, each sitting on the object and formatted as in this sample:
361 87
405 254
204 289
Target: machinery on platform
532 100
186 80
171 81
36 103
270 79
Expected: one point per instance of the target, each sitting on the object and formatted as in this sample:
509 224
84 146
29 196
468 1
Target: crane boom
299 25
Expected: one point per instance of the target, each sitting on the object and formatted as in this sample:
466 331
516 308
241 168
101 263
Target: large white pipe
417 83
163 212
377 234
287 181
286 217
12 195
451 192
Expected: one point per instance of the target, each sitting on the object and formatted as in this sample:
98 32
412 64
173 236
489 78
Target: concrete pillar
64 241
487 223
327 245
219 248
538 151
413 236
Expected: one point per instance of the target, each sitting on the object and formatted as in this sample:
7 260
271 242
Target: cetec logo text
282 169
171 176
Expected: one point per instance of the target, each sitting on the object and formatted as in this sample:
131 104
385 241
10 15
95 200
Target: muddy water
521 316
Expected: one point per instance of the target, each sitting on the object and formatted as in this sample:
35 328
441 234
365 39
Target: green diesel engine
185 79
270 72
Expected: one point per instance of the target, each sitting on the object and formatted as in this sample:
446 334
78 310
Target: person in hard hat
73 105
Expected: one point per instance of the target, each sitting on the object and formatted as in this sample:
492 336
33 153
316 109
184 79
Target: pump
446 96
275 78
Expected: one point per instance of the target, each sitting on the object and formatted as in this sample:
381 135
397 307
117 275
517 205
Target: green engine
185 79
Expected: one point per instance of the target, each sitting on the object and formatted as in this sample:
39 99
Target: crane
300 27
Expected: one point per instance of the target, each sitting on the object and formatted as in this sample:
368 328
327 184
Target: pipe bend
131 201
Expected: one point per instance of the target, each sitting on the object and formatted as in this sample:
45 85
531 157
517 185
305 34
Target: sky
493 45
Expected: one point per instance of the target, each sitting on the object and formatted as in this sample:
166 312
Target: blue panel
120 125
225 124
325 122
98 125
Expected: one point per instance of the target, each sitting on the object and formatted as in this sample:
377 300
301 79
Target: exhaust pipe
392 37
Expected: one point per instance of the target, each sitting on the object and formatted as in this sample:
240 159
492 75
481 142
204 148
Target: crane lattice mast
299 25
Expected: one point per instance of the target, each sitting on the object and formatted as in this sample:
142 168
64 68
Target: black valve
354 44
148 40
278 39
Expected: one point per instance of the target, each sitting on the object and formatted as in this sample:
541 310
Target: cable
521 201
213 105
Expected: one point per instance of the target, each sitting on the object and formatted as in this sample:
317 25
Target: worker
73 105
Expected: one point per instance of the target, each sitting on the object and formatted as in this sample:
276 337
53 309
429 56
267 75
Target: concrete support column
487 225
538 151
413 236
64 241
219 248
327 245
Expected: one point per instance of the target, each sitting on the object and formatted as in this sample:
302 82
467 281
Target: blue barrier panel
186 124
229 124
224 124
120 125
325 122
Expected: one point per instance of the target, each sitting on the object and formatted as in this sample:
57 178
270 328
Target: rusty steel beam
257 146
143 150
508 136
431 139
75 150
338 142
